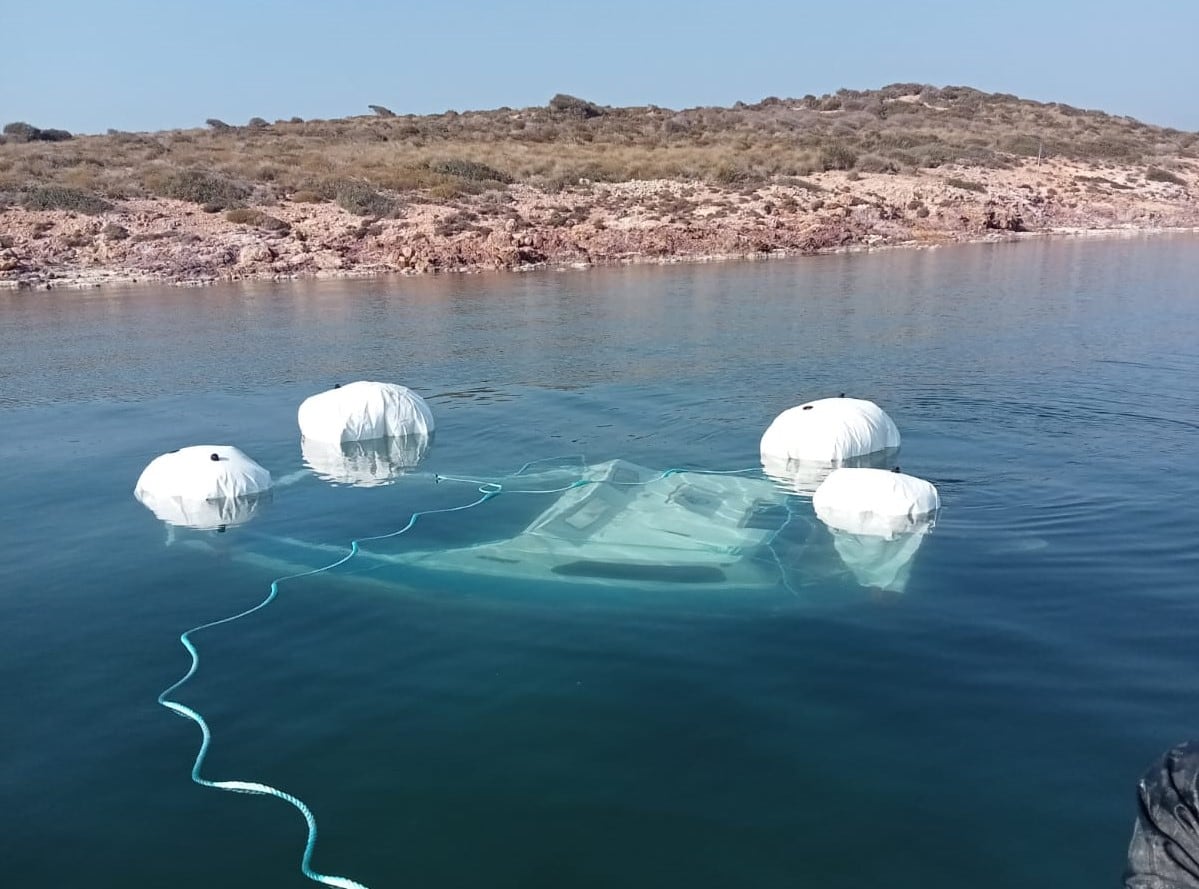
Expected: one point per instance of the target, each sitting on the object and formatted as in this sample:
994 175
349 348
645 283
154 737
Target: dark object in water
1164 851
215 458
627 571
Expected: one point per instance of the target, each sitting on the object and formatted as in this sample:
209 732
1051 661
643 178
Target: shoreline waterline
100 278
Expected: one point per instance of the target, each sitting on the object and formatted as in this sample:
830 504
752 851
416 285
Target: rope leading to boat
487 490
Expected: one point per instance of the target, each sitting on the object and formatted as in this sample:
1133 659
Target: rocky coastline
164 241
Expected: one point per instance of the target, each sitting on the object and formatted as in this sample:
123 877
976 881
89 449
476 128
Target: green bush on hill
362 200
966 184
837 157
59 197
249 216
1154 174
472 171
211 190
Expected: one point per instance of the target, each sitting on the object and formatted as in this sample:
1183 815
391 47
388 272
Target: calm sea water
983 729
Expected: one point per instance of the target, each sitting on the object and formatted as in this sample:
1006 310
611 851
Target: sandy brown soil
159 240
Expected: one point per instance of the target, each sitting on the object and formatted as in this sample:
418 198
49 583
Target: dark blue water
985 728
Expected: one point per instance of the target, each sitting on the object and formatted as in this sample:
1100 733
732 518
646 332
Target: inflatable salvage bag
364 464
878 520
364 411
364 434
203 487
875 502
807 442
830 430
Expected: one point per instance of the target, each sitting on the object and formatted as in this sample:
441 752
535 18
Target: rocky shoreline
162 241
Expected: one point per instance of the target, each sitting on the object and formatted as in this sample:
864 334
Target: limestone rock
253 254
327 261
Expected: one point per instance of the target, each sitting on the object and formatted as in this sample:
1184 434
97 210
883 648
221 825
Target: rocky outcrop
171 241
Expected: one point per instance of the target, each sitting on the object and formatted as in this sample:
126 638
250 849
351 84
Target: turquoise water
984 728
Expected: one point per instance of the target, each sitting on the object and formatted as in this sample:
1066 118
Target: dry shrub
965 184
362 200
456 223
58 197
1155 174
445 191
249 216
799 182
729 174
305 196
211 190
873 163
837 156
472 171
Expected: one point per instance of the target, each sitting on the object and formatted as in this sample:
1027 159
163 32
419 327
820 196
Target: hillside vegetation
373 165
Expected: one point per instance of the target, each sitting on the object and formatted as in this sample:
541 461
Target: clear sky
86 65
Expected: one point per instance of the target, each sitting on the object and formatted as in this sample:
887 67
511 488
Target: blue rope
783 576
487 490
